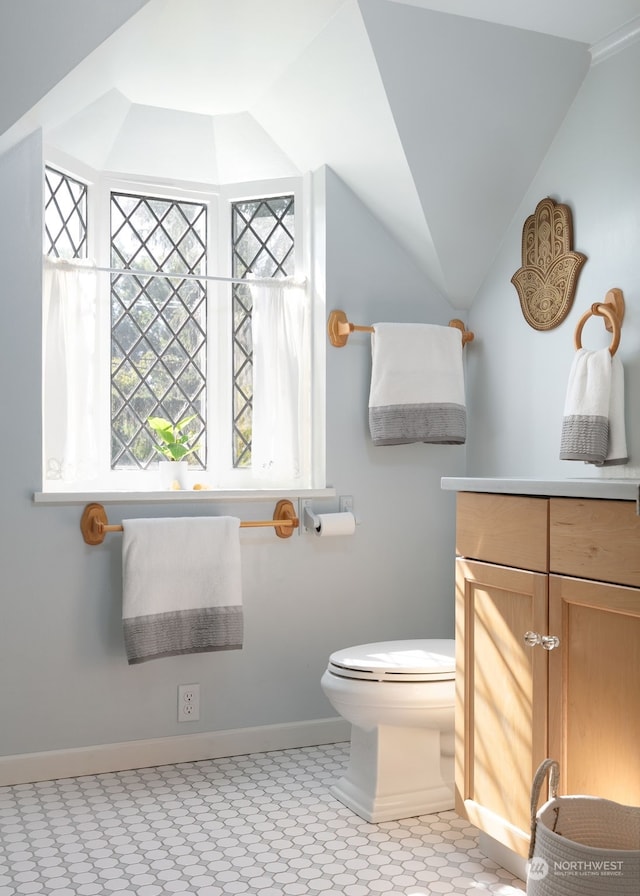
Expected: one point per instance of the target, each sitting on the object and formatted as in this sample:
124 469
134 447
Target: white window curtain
281 389
70 369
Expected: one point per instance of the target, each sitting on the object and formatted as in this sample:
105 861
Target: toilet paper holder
311 521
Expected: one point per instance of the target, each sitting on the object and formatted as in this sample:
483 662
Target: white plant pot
173 474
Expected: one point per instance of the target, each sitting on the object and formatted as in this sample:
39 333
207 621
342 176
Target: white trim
616 41
99 759
203 496
502 855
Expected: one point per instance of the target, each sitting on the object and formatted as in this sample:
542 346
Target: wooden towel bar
339 328
94 524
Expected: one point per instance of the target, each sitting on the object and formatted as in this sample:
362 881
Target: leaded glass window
170 309
65 215
262 245
158 324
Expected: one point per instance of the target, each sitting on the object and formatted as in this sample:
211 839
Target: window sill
185 496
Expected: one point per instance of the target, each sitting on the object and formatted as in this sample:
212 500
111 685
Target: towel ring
612 309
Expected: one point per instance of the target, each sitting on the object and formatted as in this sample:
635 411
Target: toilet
399 698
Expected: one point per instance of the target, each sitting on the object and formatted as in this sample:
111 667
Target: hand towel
417 385
181 586
593 420
617 445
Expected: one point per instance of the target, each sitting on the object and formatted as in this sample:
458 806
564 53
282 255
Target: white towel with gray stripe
417 385
593 428
182 588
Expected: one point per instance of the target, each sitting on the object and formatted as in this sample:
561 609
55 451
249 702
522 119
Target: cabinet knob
549 642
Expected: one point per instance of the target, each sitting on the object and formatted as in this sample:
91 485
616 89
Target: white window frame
220 473
222 402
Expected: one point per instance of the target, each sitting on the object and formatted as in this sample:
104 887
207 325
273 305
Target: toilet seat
396 661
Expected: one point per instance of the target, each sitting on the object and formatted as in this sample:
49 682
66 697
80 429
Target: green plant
175 443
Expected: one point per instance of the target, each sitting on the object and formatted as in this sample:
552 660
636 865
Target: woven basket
581 845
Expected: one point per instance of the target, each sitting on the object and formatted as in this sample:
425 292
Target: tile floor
263 824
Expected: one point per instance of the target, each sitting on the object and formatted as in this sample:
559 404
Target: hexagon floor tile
264 824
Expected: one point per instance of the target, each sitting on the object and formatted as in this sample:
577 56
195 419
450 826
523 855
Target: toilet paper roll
328 524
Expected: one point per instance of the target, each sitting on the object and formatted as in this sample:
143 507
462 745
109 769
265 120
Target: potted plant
174 447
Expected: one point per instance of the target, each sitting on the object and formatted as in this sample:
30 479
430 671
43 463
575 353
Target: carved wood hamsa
547 280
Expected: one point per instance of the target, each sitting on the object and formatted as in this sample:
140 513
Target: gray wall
517 375
40 42
64 680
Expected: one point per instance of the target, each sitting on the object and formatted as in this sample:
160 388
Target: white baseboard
502 856
29 767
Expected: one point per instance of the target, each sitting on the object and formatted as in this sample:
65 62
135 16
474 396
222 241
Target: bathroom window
176 344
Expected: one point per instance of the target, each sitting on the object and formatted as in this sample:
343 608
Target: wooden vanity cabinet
559 566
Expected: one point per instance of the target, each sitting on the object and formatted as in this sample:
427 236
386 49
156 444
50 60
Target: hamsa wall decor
547 280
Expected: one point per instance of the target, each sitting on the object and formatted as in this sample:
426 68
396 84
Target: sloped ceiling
476 112
437 121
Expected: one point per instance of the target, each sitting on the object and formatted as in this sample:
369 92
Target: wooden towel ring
612 309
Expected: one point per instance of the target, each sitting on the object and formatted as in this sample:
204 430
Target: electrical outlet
188 702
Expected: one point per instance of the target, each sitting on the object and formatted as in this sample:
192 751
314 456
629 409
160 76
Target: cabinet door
594 688
501 697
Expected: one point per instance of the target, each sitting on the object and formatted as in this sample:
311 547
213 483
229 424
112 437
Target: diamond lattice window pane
128 381
263 239
65 215
158 324
159 381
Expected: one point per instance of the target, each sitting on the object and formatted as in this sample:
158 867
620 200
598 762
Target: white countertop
611 489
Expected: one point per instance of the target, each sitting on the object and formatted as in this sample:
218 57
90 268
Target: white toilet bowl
399 698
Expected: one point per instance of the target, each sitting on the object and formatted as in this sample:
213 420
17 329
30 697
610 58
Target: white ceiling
422 113
214 57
